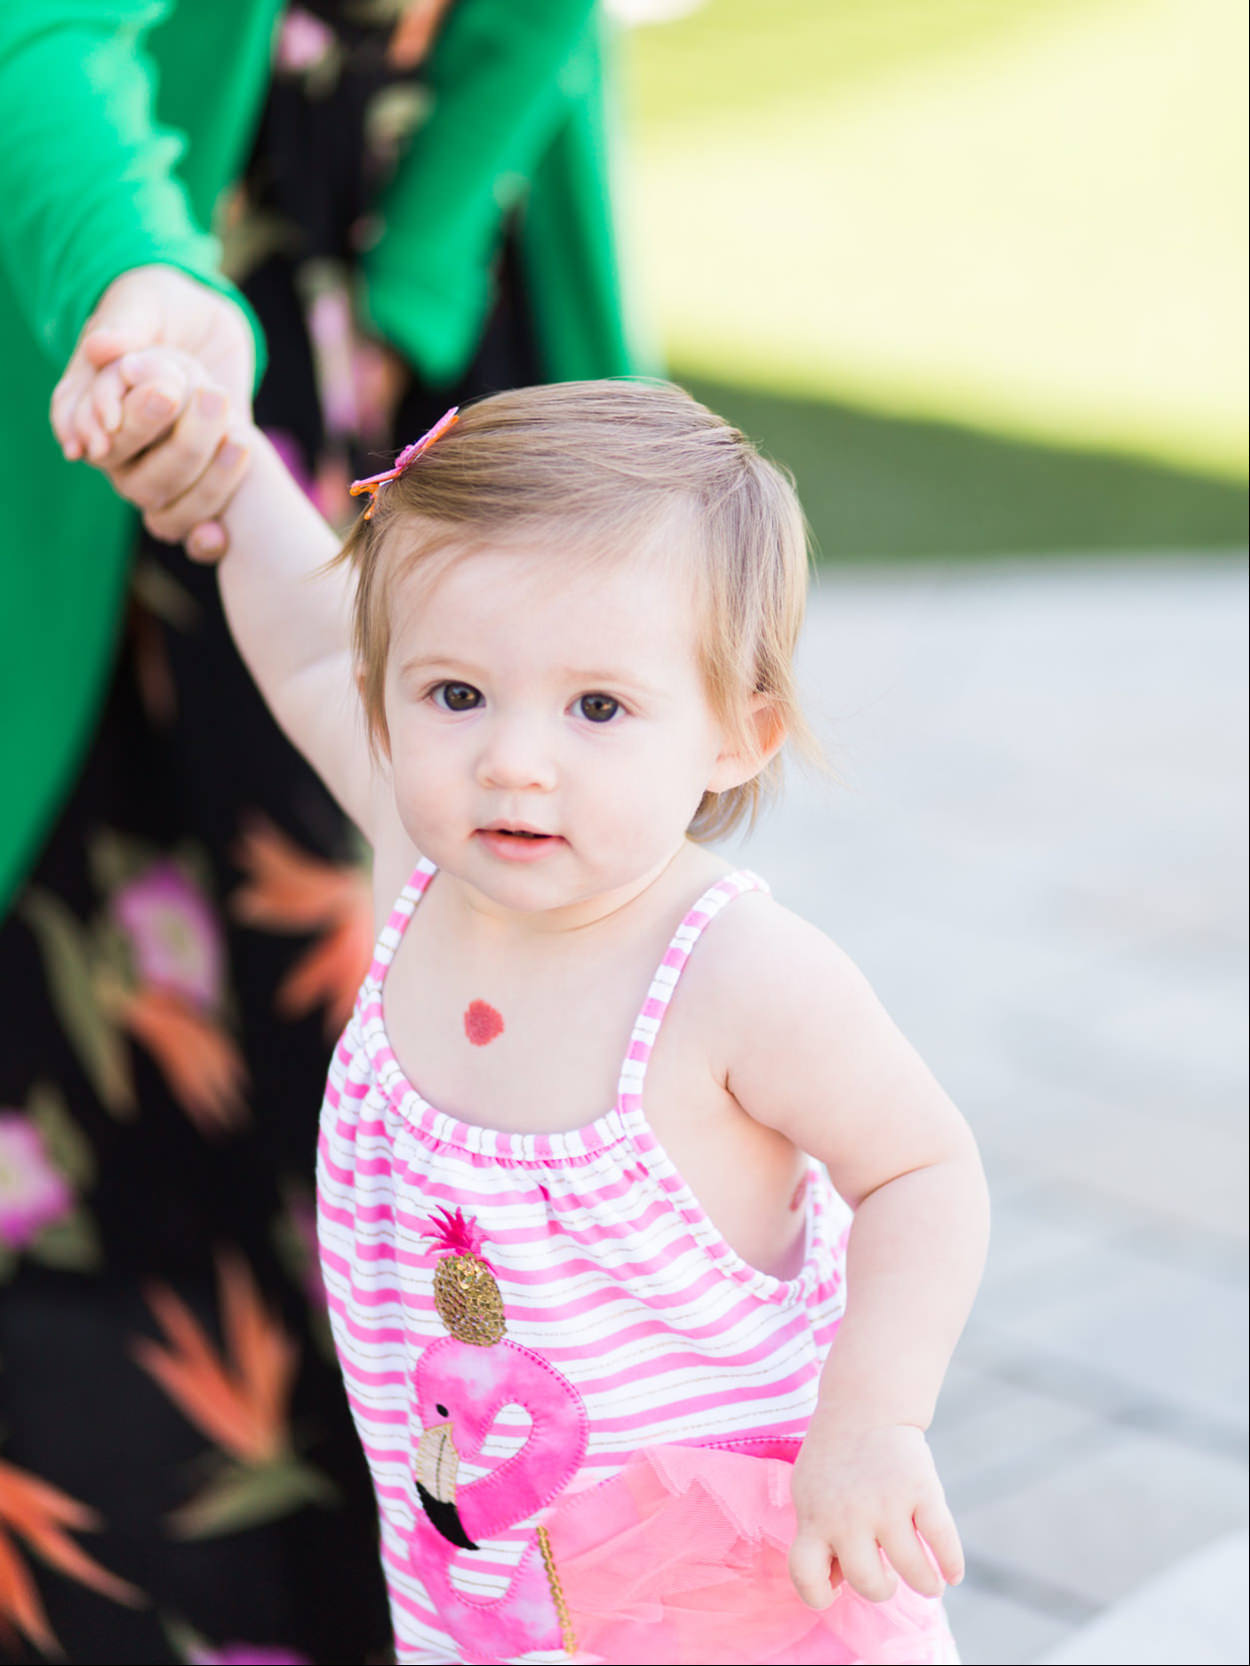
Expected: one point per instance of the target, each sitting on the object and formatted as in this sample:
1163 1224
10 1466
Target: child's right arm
289 616
291 619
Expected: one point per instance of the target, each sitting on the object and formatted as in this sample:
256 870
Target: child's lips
519 844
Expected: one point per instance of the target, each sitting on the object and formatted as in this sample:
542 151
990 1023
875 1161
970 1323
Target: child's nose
516 757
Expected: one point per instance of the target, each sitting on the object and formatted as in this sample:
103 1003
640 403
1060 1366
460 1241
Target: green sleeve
88 187
496 81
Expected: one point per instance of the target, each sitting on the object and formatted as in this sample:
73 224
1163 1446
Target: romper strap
670 969
392 932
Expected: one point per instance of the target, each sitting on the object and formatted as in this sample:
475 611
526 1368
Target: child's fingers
169 469
65 399
936 1527
147 414
810 1559
105 399
159 364
73 423
908 1559
91 439
865 1570
152 387
192 516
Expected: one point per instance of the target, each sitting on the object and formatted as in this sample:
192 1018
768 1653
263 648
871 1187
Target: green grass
731 53
1026 217
876 487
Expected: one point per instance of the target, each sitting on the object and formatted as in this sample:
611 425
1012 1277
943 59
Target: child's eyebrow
441 662
583 676
605 677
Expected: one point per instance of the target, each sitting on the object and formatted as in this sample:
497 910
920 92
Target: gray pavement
1036 849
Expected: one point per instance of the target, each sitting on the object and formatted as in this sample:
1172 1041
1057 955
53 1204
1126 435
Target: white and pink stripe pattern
607 1265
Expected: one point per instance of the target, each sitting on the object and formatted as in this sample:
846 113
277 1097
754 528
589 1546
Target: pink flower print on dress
292 455
333 336
33 1194
174 935
303 41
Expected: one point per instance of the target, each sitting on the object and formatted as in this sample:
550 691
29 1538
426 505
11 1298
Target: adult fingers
172 466
192 516
937 1529
207 542
907 1557
810 1560
103 343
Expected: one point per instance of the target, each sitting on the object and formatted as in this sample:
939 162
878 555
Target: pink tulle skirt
680 1560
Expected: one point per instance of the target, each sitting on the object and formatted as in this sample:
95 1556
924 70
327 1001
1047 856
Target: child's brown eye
598 708
457 697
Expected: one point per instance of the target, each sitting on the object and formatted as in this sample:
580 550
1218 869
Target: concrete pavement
1036 851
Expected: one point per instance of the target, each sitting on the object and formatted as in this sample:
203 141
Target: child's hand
863 1492
181 482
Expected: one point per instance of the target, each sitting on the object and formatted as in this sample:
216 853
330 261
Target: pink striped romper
517 1314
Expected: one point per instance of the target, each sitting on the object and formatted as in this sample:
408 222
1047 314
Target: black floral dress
179 1478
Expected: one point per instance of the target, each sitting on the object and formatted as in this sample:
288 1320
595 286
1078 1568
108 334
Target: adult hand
93 418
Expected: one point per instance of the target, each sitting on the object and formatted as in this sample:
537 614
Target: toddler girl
584 1258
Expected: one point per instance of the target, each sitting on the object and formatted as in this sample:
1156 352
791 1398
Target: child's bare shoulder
772 968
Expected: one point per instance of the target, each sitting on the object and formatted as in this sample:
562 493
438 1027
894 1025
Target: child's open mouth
518 844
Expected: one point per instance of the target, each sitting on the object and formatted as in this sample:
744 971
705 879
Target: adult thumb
127 317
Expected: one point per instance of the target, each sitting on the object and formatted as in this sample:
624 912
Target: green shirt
123 121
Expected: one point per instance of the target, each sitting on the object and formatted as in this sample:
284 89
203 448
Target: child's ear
744 756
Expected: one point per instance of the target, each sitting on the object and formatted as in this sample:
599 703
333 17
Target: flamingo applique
461 1384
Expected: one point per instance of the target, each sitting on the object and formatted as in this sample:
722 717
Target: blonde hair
601 465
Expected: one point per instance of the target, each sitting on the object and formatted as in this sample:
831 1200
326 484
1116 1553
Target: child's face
525 698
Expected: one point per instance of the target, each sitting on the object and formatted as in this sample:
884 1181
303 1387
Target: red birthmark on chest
481 1023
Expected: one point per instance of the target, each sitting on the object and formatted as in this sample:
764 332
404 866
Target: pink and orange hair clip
409 454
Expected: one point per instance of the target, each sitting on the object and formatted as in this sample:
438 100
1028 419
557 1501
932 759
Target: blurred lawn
879 487
981 261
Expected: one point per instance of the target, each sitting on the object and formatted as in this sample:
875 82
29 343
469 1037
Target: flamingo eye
441 1410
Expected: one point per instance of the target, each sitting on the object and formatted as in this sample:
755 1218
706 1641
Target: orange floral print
202 1065
44 1516
149 966
240 1400
237 1402
287 889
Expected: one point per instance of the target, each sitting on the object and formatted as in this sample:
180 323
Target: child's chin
523 888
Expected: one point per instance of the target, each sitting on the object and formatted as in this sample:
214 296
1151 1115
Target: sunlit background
976 272
975 269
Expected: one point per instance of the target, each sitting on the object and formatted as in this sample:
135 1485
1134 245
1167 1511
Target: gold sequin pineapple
465 1292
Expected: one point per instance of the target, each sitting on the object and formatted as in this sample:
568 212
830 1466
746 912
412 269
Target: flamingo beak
437 1463
436 1467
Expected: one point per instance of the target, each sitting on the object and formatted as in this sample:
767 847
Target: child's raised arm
290 617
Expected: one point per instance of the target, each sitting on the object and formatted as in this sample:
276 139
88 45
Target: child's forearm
291 620
910 1283
286 613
